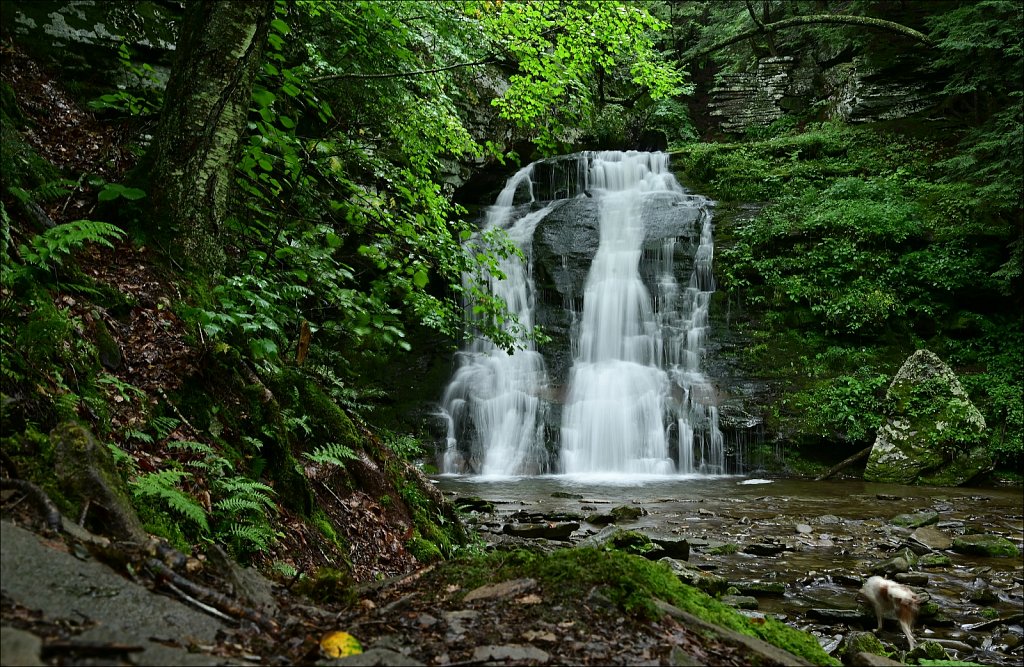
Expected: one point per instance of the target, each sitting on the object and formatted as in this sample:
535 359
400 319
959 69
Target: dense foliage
342 246
859 257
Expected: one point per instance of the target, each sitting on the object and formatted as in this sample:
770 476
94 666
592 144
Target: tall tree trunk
206 102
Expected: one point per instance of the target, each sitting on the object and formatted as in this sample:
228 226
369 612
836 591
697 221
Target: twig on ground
222 602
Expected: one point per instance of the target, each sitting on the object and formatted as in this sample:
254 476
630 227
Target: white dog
893 600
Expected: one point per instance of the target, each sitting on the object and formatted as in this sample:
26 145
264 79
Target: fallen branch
984 625
844 464
219 601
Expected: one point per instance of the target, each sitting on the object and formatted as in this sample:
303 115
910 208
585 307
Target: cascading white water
698 413
637 401
499 390
613 419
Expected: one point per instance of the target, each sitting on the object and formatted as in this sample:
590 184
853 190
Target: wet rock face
933 433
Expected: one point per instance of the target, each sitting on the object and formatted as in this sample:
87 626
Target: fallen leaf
532 598
339 644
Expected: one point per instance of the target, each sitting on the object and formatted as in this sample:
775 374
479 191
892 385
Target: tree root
52 515
162 560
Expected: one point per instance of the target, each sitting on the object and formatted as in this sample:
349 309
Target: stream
820 540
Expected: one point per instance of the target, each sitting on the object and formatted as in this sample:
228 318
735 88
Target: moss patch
630 582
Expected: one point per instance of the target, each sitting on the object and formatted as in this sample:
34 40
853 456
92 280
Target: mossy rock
935 559
915 520
328 586
424 551
86 472
927 650
933 433
861 642
631 583
626 513
991 546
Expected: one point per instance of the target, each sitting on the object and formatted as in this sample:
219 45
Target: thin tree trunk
206 102
844 464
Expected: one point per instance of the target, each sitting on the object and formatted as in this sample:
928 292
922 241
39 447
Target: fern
237 505
162 485
238 489
192 446
47 248
245 538
164 425
244 511
333 453
141 436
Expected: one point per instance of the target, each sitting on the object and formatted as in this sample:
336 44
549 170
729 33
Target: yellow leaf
339 644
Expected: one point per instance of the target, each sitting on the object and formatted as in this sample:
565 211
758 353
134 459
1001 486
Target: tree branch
794 21
398 75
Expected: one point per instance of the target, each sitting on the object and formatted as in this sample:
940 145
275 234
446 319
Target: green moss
32 452
630 582
723 549
328 422
326 528
425 551
156 521
328 586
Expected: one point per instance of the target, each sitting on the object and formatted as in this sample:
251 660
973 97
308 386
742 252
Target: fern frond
52 190
191 446
333 453
48 247
162 485
164 425
246 537
245 489
238 505
141 436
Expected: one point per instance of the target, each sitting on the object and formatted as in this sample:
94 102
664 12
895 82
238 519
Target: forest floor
65 603
72 599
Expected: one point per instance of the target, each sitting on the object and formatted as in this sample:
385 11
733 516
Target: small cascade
495 391
697 411
627 394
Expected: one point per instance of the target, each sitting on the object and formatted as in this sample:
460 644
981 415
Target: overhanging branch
794 21
399 75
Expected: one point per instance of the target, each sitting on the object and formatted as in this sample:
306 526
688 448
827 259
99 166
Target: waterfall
498 391
635 398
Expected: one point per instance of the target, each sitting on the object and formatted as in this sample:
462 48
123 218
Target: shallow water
851 530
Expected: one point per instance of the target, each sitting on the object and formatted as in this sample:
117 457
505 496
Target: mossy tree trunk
206 102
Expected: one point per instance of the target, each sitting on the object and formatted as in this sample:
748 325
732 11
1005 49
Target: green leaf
280 26
263 97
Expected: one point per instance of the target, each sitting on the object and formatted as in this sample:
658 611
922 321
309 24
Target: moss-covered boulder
860 642
991 546
933 433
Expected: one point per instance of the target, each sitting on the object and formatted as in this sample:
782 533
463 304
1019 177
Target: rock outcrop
933 433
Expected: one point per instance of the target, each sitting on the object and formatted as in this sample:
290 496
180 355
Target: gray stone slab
62 586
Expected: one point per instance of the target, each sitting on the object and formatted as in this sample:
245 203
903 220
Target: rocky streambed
796 550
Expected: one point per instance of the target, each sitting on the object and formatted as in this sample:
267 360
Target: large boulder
933 434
